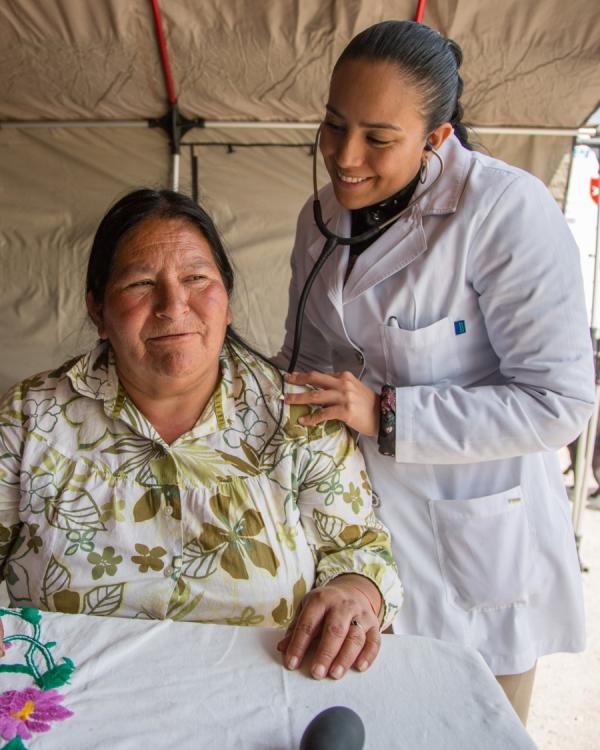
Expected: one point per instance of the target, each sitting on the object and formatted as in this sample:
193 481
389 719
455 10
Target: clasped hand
341 615
341 395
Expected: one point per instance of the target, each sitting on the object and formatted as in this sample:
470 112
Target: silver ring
356 623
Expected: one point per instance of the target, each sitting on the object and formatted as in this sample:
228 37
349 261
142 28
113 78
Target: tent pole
585 135
164 57
175 173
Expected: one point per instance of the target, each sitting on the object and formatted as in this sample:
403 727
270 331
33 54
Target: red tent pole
162 45
420 11
171 120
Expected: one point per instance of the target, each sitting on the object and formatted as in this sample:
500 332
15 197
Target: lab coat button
168 571
169 510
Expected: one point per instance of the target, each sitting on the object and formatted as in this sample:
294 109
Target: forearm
452 424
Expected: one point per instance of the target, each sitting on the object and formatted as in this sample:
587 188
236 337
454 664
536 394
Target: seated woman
161 475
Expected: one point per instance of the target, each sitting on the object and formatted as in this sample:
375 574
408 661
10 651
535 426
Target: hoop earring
424 171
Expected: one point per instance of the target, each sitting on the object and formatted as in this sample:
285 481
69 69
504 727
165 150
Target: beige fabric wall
526 63
58 185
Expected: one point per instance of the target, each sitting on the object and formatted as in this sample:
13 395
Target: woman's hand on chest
341 395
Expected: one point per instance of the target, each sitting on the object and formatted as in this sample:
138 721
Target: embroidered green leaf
197 562
69 512
56 578
329 527
15 744
57 676
103 600
148 505
31 614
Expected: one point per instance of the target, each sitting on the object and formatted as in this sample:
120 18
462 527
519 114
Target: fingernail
337 672
361 666
319 672
292 662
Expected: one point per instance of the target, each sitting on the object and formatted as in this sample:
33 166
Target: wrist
386 436
360 583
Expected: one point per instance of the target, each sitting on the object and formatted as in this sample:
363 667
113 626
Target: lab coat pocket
420 357
485 550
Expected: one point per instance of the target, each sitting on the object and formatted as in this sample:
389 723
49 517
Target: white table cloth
164 684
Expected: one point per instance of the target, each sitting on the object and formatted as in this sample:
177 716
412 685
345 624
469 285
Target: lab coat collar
443 197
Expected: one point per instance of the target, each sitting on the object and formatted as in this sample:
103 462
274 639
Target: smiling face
373 136
165 309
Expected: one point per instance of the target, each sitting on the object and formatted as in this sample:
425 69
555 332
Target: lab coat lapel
400 245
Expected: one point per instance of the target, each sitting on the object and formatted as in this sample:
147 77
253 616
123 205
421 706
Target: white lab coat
474 499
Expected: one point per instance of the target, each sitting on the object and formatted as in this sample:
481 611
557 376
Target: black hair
426 58
132 210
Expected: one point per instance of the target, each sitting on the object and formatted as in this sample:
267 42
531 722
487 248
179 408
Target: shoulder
38 399
480 176
493 178
46 382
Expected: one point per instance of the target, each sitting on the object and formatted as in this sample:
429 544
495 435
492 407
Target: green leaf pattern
233 522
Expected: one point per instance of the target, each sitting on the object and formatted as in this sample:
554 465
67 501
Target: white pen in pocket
393 321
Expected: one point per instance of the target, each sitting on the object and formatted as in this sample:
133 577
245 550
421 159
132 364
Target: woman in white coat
455 344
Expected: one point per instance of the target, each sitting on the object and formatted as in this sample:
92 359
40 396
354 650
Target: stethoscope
334 240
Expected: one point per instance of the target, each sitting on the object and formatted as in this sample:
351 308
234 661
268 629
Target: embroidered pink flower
25 711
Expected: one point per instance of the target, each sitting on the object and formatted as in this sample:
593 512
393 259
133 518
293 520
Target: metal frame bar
587 132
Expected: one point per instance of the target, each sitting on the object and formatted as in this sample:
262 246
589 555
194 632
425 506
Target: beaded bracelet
387 421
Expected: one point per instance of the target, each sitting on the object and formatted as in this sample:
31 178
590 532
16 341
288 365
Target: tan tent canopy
527 64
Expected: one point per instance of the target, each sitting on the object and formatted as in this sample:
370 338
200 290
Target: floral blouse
231 523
